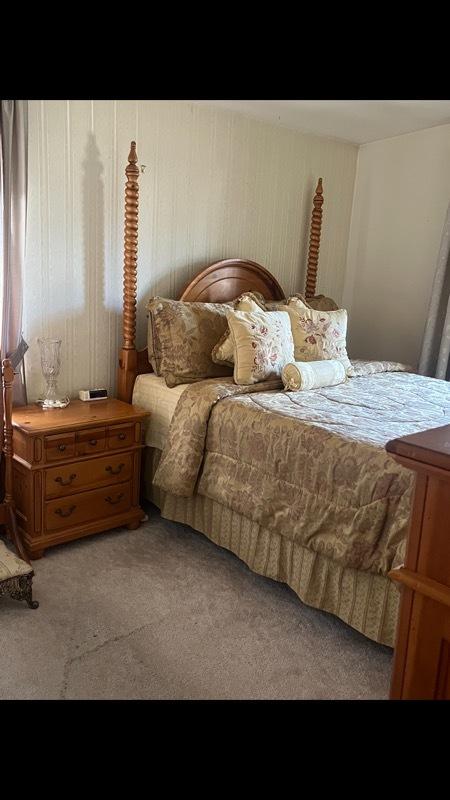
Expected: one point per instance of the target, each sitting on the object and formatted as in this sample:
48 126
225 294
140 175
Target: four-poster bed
218 283
298 485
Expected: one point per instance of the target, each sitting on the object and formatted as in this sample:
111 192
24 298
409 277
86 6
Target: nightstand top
78 414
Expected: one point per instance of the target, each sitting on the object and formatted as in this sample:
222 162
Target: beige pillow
275 305
318 335
181 337
262 344
249 301
222 352
302 375
321 303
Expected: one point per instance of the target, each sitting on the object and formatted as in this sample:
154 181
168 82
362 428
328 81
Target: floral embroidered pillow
262 343
222 352
318 335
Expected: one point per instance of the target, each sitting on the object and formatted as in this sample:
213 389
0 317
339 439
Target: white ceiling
357 121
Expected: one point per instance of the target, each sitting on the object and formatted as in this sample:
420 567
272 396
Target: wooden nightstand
76 470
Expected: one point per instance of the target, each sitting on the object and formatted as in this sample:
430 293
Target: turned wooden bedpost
128 355
314 242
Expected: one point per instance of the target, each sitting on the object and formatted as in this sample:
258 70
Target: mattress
152 394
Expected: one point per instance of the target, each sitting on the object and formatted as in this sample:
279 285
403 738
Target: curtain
13 211
435 354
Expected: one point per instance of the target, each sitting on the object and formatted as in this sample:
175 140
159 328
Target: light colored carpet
162 613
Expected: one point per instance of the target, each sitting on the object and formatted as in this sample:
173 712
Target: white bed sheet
151 393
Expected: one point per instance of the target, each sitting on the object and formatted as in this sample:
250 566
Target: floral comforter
310 465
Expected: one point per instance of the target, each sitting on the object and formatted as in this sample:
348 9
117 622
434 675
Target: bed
298 485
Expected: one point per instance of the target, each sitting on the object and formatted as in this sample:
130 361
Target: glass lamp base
57 402
50 365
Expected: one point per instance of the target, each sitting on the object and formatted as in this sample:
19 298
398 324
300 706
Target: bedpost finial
132 158
132 170
319 189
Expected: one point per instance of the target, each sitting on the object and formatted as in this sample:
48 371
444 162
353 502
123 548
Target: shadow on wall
95 368
84 322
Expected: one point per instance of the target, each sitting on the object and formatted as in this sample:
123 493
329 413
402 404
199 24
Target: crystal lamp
51 365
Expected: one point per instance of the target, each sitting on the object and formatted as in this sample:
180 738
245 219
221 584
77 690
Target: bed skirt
365 601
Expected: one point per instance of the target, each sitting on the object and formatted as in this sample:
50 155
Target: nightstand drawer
69 512
59 447
120 436
75 477
91 441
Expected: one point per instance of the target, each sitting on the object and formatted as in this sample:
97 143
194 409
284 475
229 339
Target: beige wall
217 184
401 196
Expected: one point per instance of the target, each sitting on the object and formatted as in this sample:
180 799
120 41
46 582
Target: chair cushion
11 566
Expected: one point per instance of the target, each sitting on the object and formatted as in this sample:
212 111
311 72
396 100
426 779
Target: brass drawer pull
114 502
65 513
61 447
115 471
93 442
68 482
122 436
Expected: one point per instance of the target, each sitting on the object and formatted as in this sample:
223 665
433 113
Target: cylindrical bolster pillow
312 374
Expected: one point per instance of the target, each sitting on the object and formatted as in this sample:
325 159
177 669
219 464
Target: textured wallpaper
216 184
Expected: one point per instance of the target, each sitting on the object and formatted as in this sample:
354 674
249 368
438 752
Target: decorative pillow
320 302
302 375
181 337
222 352
248 301
262 344
274 305
318 335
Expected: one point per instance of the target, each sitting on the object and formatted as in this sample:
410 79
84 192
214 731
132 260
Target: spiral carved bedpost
314 242
128 355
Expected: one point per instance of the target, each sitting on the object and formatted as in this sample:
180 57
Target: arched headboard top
225 280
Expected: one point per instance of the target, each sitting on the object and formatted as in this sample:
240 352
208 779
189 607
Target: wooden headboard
217 283
227 279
